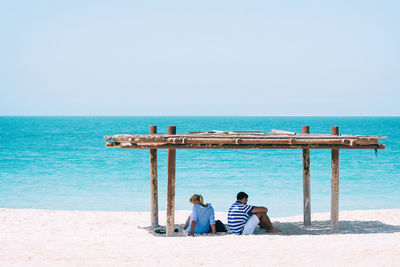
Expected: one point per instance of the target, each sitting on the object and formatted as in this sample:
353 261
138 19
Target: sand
84 238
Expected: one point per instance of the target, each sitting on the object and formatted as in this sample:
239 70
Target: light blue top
204 217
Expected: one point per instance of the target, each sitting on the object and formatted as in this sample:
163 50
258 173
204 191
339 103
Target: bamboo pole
306 182
170 225
153 183
335 184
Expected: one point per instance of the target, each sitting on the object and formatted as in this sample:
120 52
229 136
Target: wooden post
306 182
153 183
335 184
171 186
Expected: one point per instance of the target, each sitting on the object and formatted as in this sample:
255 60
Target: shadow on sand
324 228
297 228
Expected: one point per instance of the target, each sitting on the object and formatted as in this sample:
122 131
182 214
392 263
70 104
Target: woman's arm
186 223
212 221
213 229
192 228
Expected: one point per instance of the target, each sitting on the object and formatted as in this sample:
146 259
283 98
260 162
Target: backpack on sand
219 226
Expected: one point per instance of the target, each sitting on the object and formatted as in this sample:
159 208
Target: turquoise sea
62 163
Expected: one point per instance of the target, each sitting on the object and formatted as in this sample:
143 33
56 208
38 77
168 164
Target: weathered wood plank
242 146
153 183
306 182
163 137
170 225
225 132
335 185
306 141
245 141
273 131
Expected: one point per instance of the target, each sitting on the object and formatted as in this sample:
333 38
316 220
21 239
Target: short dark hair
241 195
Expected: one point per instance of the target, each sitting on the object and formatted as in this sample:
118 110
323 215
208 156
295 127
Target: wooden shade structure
276 139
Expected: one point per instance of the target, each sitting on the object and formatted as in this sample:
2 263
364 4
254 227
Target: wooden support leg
306 187
171 187
153 183
335 185
306 182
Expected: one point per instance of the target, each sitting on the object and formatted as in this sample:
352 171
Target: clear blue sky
199 57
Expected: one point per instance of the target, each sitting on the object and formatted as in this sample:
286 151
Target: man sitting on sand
243 219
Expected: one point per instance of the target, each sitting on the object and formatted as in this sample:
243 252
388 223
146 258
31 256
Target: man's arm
259 209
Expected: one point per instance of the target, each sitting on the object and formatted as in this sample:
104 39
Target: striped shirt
238 215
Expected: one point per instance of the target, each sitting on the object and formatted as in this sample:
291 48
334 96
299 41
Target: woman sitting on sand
202 219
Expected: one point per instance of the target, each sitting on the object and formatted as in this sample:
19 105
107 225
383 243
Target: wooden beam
171 187
265 136
335 184
240 146
247 141
306 182
273 131
153 183
158 140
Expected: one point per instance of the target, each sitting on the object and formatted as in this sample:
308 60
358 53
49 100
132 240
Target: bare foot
274 230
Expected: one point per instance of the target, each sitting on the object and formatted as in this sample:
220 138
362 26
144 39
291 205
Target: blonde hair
198 198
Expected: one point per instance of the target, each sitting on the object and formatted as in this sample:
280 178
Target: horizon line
281 115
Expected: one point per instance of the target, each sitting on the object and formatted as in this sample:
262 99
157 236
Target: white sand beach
84 238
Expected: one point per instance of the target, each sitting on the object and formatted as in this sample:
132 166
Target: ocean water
62 163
